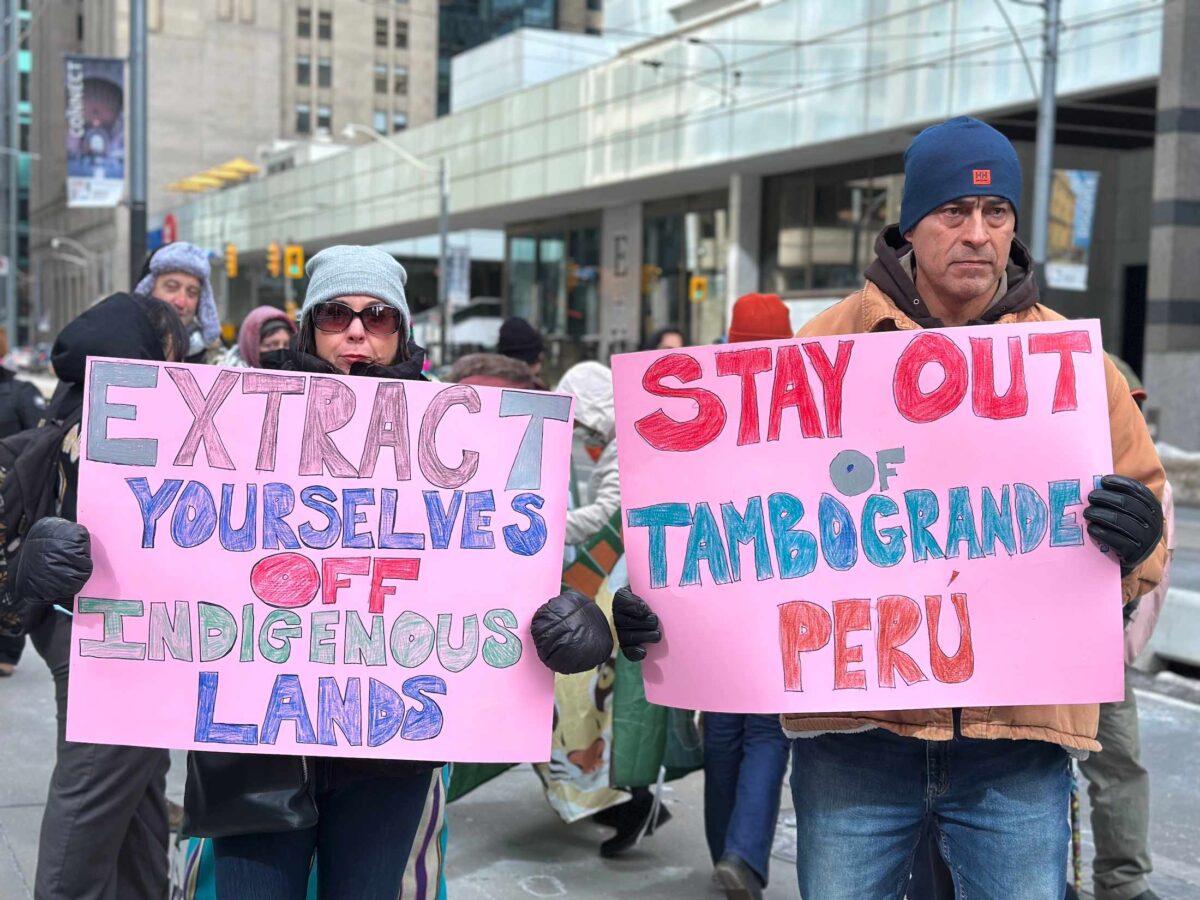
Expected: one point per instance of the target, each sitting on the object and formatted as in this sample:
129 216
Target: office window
400 77
303 119
401 34
595 5
379 121
325 25
304 23
324 118
225 10
381 32
399 122
303 71
247 11
381 78
324 72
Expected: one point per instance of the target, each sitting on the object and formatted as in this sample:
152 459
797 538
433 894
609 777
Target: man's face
962 246
182 291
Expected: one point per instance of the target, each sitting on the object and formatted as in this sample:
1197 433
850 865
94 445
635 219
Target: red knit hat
760 317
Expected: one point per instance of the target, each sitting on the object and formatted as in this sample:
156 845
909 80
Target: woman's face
276 340
342 349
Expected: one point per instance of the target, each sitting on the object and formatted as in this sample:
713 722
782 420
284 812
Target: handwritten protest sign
885 521
290 563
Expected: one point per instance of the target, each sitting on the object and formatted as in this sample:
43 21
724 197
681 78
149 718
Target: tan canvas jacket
1072 726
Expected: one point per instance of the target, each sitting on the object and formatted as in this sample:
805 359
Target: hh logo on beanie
983 176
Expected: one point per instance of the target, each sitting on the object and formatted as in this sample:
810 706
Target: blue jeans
744 761
998 811
361 842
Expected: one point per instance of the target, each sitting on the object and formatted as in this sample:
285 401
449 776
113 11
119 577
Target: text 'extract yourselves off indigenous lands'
294 563
879 521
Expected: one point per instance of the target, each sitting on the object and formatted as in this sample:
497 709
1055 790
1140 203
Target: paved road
506 844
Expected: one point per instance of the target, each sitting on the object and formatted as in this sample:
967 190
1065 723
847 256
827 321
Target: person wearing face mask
180 274
265 330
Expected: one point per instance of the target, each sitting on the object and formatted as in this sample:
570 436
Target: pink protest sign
330 566
871 522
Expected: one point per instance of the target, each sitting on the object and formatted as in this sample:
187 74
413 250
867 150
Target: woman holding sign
271 816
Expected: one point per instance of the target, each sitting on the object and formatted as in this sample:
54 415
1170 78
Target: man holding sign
893 553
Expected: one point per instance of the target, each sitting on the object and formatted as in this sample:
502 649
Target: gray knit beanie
344 270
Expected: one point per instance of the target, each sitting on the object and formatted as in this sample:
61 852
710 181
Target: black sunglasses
378 319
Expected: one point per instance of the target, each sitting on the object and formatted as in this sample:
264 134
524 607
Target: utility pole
1043 171
444 257
12 84
137 137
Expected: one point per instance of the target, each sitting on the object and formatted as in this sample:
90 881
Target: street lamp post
442 169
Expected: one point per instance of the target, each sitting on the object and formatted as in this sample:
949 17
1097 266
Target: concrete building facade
728 147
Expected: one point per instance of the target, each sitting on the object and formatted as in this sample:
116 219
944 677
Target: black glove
636 624
54 562
1124 515
571 634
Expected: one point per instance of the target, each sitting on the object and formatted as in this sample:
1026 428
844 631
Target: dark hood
116 326
296 361
887 273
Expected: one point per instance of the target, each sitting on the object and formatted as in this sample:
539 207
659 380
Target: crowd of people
934 803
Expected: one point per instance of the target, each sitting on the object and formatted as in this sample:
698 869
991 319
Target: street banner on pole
95 89
872 522
1069 232
331 566
458 276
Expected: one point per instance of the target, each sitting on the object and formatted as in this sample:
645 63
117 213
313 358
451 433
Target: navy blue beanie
959 158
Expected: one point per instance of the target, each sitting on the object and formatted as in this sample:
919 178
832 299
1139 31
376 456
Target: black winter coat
21 404
245 793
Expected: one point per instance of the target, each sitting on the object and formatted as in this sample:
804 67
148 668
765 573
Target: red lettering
1064 343
791 389
332 568
913 403
899 618
660 430
961 666
400 569
286 580
984 401
849 615
803 627
831 381
747 364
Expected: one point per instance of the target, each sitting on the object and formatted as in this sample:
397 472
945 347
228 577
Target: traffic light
293 261
231 260
274 262
698 288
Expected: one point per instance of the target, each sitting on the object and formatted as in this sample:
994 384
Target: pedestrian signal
231 260
698 288
274 261
293 261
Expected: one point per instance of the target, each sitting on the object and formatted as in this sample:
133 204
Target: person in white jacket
595 447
